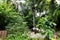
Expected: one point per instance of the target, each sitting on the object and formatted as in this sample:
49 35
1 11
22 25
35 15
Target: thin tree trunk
33 13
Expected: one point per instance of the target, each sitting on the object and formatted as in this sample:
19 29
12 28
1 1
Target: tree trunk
33 13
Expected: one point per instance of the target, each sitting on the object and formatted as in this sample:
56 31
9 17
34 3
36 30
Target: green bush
18 37
16 24
4 10
46 25
15 20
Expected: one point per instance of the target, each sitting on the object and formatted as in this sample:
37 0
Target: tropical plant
15 21
46 25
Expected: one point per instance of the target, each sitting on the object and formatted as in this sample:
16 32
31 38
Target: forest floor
40 36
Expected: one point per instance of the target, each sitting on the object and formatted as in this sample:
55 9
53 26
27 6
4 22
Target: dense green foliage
18 36
46 25
15 19
43 22
17 23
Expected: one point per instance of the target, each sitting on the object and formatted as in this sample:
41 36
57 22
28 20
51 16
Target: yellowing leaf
48 0
53 39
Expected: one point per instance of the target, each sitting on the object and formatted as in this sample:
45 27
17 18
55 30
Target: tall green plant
46 25
16 21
